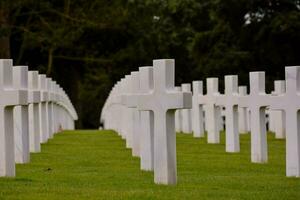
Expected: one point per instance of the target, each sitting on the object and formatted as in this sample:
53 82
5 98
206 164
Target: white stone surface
197 110
136 115
130 100
270 118
186 113
129 139
33 112
43 110
257 101
8 99
123 112
147 122
21 136
278 116
49 109
211 110
290 103
178 115
243 113
230 101
163 100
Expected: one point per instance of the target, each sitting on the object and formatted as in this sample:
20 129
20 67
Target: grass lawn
96 165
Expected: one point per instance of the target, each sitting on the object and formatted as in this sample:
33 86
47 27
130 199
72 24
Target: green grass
96 165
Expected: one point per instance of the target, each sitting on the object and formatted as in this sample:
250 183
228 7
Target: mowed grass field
96 165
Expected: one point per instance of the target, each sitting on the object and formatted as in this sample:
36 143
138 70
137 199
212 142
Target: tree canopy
87 45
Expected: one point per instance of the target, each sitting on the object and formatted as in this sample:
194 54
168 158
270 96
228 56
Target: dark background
87 45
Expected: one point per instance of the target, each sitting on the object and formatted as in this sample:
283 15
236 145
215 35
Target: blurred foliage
88 45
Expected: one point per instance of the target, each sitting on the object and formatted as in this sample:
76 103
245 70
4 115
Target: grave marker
49 107
8 99
43 109
34 97
257 101
243 113
186 113
162 101
230 101
130 100
211 111
290 103
147 122
178 115
20 112
197 110
279 115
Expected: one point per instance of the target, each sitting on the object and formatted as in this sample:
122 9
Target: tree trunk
50 61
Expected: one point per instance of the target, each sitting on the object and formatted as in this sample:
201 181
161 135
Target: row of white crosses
245 113
141 107
146 120
32 109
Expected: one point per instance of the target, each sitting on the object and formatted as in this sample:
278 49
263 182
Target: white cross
21 136
43 109
49 107
186 113
243 113
34 97
257 101
147 122
278 116
135 85
8 99
230 101
55 107
211 111
129 128
130 100
290 103
163 100
197 110
178 115
123 111
114 107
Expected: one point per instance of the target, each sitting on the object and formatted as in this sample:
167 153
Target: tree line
87 45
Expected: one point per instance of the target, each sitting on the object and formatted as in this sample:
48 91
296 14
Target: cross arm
14 97
223 100
130 100
179 100
34 96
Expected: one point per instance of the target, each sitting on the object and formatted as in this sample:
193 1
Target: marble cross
163 100
129 128
211 111
34 97
243 113
130 100
186 113
55 107
257 101
124 111
289 102
49 108
147 122
135 85
8 99
197 110
43 109
230 101
178 115
278 116
20 112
